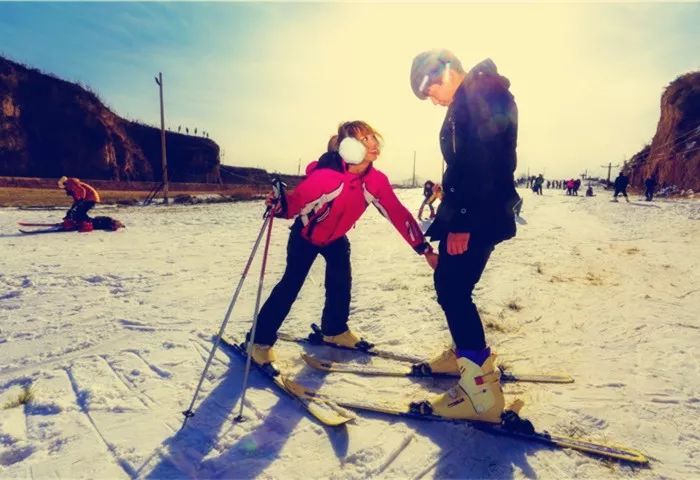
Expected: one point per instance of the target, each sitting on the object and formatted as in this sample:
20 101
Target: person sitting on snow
84 198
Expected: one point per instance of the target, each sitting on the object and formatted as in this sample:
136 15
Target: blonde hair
333 144
355 129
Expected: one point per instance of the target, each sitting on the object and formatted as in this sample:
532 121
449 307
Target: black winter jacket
478 141
621 182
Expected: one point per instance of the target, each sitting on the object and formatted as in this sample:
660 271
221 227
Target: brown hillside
673 156
50 127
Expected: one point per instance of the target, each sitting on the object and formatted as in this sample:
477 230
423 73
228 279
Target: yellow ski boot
264 356
348 339
443 364
477 396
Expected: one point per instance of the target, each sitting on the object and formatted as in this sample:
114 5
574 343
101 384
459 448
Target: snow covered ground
112 330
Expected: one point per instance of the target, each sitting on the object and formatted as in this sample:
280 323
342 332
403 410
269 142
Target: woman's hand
270 199
273 203
432 259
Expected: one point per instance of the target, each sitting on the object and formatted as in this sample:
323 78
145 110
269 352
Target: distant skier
335 193
431 193
570 185
537 187
589 191
478 141
427 193
84 198
650 185
577 185
621 183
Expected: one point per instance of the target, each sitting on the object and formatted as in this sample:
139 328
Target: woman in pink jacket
336 192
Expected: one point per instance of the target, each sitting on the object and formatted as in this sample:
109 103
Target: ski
419 371
418 366
316 338
512 425
44 230
29 224
324 410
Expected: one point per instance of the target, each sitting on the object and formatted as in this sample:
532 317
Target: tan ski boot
348 339
477 396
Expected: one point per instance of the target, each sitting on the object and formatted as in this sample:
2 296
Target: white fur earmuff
352 150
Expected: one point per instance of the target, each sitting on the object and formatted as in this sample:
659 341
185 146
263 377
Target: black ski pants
455 278
300 256
430 206
649 194
78 211
620 191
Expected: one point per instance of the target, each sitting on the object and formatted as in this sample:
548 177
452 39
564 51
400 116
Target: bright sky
271 81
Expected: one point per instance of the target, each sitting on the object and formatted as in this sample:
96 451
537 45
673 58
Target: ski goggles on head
425 83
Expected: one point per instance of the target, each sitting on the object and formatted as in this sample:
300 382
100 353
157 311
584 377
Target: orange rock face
673 156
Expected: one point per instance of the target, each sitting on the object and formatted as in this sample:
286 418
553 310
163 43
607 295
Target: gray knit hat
428 67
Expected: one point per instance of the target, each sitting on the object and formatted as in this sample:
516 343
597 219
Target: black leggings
430 206
300 256
78 211
455 278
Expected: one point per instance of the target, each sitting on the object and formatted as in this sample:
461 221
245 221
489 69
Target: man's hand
432 259
457 243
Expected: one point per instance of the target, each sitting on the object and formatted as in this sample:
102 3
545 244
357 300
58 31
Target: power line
676 141
673 143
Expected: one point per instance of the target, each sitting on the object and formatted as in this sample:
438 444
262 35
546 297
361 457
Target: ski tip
516 405
329 413
315 362
293 386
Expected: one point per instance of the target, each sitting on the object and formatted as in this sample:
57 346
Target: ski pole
249 346
278 189
189 413
268 220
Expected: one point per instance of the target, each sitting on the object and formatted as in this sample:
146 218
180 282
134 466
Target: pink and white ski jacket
329 203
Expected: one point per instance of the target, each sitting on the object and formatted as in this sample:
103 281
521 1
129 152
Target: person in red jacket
84 198
337 190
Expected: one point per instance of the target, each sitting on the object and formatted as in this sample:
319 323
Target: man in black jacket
621 183
478 141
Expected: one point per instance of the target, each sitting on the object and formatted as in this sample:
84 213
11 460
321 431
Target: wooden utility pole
164 158
413 184
299 168
609 166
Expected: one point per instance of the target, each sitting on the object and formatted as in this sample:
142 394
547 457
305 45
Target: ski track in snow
112 330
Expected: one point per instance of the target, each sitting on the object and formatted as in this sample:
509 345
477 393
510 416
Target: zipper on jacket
454 138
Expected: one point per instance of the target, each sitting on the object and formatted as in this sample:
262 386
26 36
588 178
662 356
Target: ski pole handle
278 195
